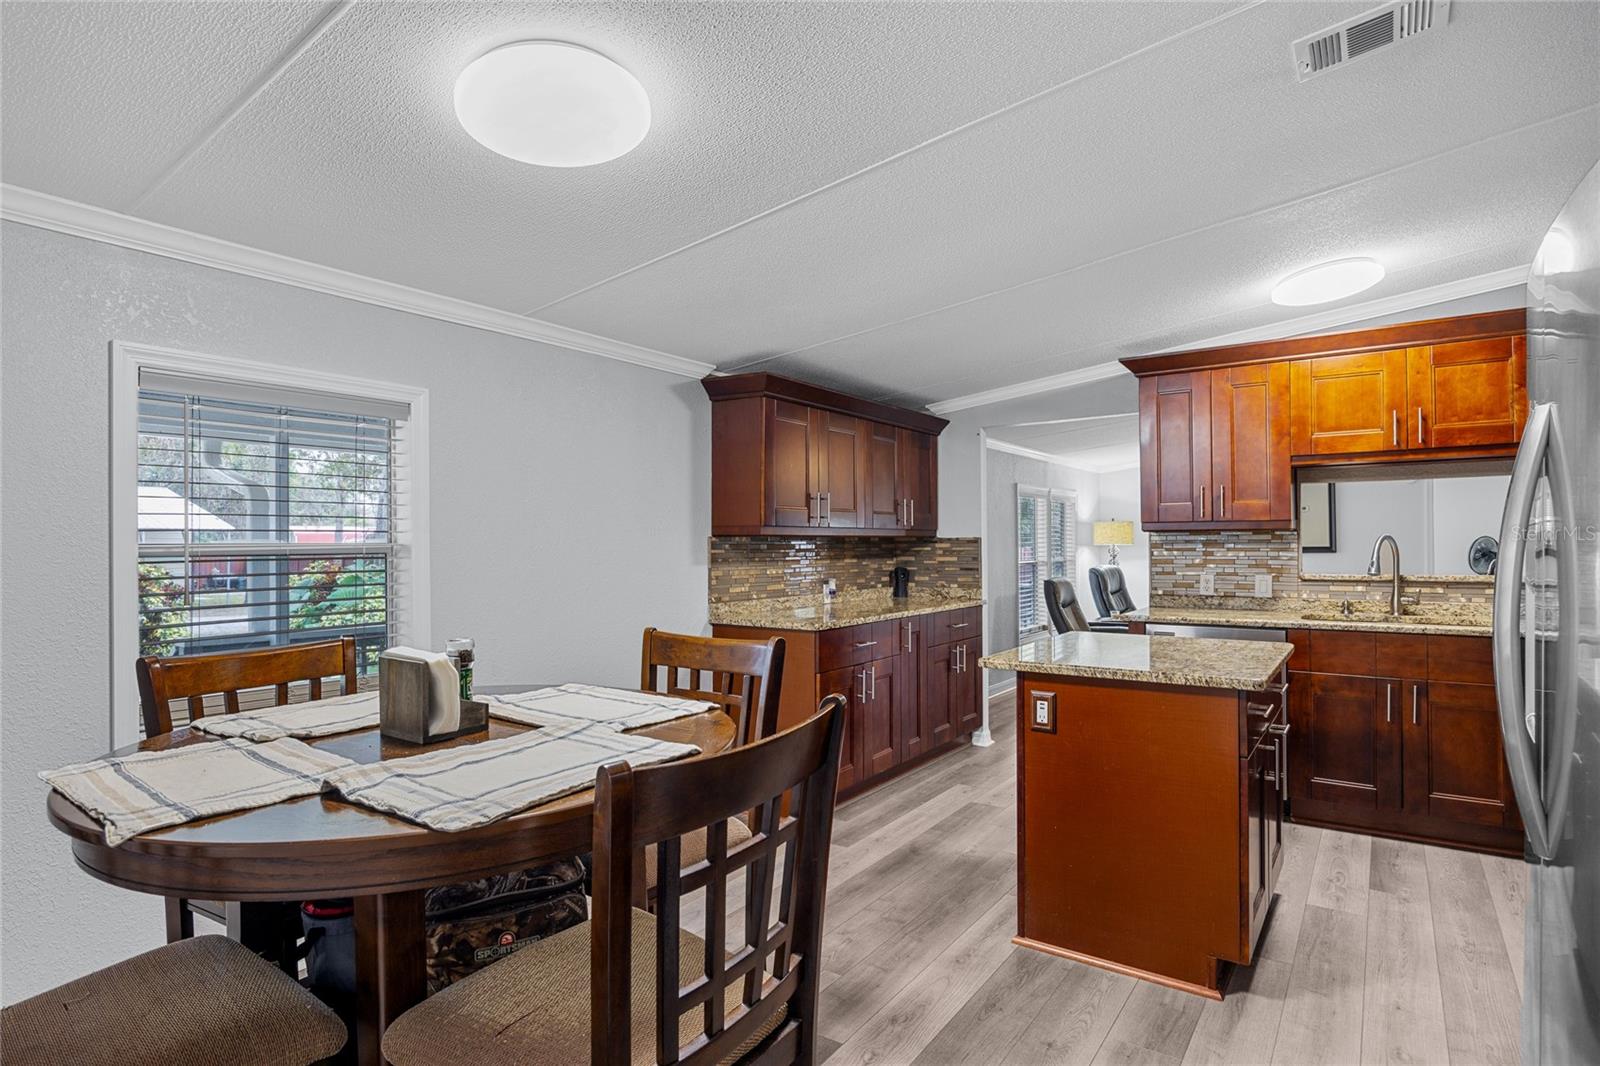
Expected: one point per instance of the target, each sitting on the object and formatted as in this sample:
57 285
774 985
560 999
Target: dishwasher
1155 629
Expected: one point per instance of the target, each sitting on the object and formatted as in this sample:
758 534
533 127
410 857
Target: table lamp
1111 534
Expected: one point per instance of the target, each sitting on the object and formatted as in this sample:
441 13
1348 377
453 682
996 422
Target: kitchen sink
1362 611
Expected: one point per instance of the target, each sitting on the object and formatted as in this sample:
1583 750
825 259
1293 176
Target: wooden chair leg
180 920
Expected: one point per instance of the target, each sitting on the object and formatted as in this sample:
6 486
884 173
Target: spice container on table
460 651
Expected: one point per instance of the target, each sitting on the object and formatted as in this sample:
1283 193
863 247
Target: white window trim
1049 495
127 359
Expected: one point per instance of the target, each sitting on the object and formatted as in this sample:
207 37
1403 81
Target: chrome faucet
1373 570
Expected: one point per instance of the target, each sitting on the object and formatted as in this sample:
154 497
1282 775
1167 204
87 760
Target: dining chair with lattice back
628 986
192 678
743 677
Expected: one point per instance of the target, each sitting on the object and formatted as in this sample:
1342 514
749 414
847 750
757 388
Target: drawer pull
866 643
959 625
1259 710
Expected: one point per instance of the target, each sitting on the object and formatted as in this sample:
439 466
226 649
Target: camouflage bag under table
473 923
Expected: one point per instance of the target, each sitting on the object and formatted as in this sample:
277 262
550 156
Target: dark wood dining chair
629 986
744 677
270 928
197 1003
194 677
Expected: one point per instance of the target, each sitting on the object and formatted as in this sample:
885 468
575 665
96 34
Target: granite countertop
1443 619
1194 661
813 614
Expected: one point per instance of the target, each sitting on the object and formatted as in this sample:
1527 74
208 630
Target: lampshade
1113 532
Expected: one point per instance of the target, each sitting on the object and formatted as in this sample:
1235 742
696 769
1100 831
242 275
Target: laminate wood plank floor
1376 950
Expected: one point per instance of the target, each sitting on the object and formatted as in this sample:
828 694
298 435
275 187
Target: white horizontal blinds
1046 545
1031 614
267 517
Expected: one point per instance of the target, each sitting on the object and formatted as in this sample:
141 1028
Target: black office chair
1110 591
1065 614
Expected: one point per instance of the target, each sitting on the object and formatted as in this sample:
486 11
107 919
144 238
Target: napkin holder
405 705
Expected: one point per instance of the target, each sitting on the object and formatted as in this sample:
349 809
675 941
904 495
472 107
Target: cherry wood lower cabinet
1150 825
1399 734
912 683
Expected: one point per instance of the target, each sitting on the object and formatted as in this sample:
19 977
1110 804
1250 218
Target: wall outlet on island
1208 582
1263 584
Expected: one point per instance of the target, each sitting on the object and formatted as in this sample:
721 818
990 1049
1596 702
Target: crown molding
32 208
1046 457
1083 376
1305 325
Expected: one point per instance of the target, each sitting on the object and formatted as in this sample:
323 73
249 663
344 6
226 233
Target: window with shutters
268 515
1046 545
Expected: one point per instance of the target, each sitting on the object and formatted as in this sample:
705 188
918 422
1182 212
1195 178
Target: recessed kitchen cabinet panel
1175 447
1347 404
1250 443
791 477
1465 394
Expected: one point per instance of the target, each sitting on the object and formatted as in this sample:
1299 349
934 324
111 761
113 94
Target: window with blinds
266 517
1047 525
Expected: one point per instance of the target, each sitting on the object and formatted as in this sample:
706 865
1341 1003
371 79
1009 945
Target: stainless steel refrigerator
1547 639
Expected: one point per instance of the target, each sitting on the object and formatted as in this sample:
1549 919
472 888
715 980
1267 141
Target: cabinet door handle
908 636
827 518
874 676
1202 501
1276 762
811 508
911 510
862 690
900 513
1388 702
1394 427
1282 729
1414 689
1222 501
1420 439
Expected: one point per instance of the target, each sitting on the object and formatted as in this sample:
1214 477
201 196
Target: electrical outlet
1044 711
1208 583
1263 584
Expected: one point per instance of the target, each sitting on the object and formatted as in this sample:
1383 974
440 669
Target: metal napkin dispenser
419 699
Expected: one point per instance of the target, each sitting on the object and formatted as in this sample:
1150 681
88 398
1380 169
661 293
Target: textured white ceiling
917 201
1098 443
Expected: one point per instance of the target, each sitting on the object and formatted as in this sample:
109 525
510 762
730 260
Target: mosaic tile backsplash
759 568
1178 559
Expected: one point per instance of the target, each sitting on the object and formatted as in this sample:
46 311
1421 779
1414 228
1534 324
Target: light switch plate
1263 584
1208 582
1042 711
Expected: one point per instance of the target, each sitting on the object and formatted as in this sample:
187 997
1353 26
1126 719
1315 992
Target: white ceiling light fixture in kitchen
552 104
1327 281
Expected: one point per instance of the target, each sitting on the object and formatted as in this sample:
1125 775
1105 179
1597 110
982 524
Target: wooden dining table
317 847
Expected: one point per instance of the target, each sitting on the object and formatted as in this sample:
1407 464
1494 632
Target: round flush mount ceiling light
1327 281
552 104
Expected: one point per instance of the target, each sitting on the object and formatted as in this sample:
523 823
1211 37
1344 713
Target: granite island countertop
1198 662
1440 619
814 614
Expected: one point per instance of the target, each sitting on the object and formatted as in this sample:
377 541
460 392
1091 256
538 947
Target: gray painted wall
570 508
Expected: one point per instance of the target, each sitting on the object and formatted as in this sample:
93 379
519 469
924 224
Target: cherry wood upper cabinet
1466 394
918 482
788 456
1250 443
1348 404
791 488
1175 447
839 469
1220 434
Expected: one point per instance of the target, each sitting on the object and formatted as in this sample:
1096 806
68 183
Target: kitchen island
1150 792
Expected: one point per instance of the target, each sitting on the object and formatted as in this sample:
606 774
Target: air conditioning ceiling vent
1367 33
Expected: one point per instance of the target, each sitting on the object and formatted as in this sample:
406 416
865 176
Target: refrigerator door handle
1543 810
